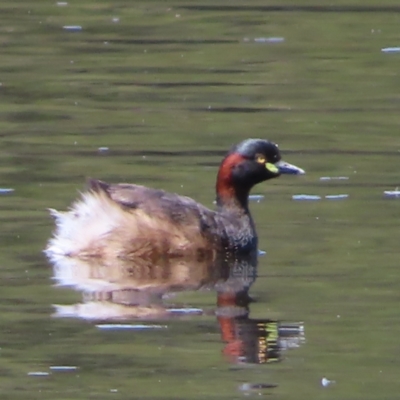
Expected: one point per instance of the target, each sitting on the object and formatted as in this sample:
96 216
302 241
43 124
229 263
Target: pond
155 93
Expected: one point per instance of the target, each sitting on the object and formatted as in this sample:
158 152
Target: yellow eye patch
260 159
271 167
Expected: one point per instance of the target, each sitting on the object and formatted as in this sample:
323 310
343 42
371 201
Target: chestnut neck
230 196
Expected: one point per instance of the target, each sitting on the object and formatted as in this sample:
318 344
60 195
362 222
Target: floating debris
72 28
38 373
338 178
62 3
63 368
391 50
262 252
314 197
115 19
256 197
392 193
103 149
256 386
336 196
306 197
6 190
266 39
129 326
326 382
185 310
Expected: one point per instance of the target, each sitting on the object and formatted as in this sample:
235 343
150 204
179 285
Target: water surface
168 88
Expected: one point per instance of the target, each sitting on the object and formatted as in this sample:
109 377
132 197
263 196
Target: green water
168 87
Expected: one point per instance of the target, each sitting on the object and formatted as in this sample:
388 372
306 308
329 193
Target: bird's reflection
127 290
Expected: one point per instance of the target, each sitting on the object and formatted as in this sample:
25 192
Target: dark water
167 88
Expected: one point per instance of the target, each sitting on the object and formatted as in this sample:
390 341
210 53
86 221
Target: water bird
115 222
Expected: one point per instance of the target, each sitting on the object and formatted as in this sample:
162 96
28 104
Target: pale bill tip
286 168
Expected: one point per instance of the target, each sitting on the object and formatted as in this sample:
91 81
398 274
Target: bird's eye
260 158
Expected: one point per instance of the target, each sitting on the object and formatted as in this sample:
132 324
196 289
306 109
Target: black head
259 157
248 163
250 147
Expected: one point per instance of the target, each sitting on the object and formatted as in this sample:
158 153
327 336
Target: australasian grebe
124 221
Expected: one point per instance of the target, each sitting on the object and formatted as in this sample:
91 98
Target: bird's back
133 221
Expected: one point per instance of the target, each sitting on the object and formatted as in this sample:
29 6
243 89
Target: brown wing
179 210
